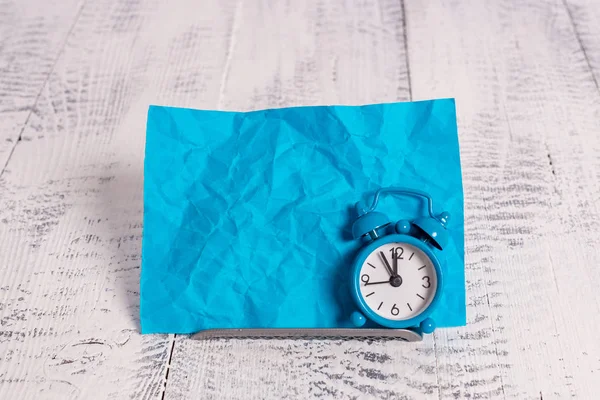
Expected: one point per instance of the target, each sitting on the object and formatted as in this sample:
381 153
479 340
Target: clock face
398 281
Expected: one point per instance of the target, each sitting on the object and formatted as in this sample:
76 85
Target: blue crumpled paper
247 215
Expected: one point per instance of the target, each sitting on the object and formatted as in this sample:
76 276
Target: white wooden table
76 79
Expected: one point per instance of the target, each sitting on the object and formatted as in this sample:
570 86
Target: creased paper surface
247 215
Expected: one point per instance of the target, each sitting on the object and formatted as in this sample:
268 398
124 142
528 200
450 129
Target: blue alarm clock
396 277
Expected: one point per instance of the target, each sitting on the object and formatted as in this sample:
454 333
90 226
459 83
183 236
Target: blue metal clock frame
427 233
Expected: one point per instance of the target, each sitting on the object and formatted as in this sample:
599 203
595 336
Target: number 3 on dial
426 279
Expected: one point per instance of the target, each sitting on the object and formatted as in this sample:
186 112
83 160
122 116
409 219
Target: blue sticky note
247 215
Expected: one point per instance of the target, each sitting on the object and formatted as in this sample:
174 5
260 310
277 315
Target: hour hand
386 263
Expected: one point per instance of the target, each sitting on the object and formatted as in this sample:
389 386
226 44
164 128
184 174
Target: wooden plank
315 53
529 113
32 34
304 53
71 199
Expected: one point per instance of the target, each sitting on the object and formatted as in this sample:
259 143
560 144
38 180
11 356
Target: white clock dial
398 295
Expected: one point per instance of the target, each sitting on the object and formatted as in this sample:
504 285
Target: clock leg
427 325
357 319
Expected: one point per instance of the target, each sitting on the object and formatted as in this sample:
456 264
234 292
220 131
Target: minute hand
376 283
387 264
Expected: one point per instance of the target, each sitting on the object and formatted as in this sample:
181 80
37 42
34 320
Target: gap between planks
405 37
164 393
585 55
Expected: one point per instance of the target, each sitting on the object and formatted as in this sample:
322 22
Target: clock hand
387 264
376 283
395 258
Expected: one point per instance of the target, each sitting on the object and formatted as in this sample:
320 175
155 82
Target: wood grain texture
32 35
528 119
71 200
75 84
